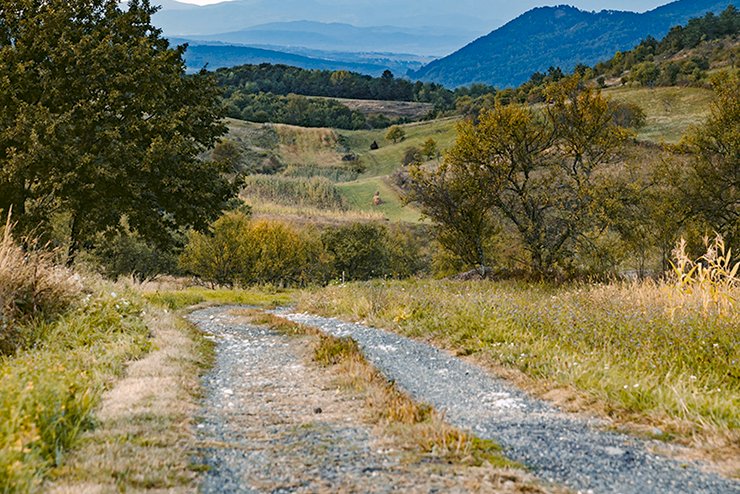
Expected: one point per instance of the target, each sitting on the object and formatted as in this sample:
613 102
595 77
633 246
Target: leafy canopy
98 122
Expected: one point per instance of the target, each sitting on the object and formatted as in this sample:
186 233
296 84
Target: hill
216 56
329 36
557 36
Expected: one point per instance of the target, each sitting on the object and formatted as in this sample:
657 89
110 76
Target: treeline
297 110
240 251
551 192
708 28
643 62
284 80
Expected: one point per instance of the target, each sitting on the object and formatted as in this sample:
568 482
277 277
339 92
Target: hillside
557 36
216 56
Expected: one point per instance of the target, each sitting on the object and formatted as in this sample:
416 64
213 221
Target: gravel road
557 446
272 421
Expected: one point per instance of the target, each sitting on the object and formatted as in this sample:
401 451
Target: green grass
642 352
360 194
48 392
387 159
180 299
670 110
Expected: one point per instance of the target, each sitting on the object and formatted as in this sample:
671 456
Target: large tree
537 169
99 122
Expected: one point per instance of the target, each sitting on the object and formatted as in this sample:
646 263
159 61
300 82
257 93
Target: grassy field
670 110
360 194
387 159
643 354
391 109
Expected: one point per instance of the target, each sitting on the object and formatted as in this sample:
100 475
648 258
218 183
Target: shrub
127 254
359 251
220 257
264 252
31 286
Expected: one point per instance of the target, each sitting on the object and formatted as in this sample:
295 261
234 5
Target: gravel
557 446
271 421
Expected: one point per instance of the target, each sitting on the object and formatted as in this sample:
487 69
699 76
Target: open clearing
670 111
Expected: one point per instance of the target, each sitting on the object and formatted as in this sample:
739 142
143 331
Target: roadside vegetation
63 343
663 356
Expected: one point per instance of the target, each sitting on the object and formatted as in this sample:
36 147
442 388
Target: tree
395 134
456 198
99 121
536 168
430 150
711 185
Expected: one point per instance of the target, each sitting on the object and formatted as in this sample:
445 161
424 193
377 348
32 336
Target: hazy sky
510 9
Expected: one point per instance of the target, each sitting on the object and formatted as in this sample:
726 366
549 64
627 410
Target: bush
240 252
359 251
31 286
127 254
222 256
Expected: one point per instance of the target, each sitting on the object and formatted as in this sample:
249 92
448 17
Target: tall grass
649 352
315 192
31 286
332 173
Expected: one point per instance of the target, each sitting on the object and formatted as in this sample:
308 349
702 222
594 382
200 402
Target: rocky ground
272 421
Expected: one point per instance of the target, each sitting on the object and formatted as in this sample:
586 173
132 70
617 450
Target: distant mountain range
218 55
345 37
442 25
556 36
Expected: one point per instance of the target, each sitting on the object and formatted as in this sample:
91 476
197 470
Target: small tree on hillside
430 150
456 199
395 134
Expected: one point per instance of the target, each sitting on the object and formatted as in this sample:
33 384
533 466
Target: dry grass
31 286
649 356
143 437
391 109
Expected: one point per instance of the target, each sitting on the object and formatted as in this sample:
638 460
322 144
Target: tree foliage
711 186
395 134
98 121
535 169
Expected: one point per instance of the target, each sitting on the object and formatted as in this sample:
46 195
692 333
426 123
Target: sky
511 9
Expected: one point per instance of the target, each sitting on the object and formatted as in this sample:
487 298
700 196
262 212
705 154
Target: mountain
217 56
462 16
557 36
330 36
